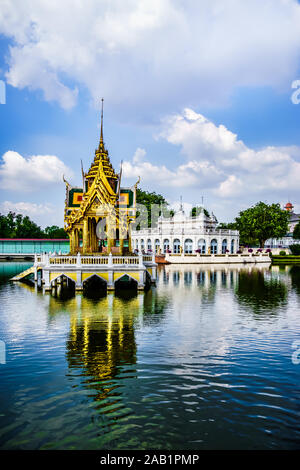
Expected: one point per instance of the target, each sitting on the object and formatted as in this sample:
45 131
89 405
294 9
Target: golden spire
101 144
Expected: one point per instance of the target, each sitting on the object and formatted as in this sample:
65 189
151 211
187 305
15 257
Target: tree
227 226
5 230
26 228
262 221
149 200
55 232
296 232
197 210
17 226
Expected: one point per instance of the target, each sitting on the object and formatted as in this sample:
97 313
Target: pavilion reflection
101 342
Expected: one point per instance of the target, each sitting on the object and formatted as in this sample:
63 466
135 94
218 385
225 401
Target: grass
285 259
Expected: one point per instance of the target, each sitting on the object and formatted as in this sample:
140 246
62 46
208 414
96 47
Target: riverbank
16 256
287 259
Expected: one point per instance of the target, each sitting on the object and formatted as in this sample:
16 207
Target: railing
125 260
63 260
89 260
94 260
183 231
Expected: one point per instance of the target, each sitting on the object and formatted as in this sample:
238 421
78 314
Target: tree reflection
295 277
260 294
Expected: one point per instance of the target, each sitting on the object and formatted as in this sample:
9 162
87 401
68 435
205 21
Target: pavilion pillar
95 239
85 235
76 241
72 242
129 239
111 229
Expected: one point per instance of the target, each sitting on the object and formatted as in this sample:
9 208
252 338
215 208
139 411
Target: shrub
282 253
295 249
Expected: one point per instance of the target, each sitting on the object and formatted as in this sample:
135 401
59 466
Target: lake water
206 360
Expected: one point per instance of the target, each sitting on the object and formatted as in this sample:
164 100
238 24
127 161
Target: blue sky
197 100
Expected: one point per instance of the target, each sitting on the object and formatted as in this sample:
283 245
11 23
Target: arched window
142 244
224 246
136 244
166 245
202 246
149 245
232 246
157 245
188 246
176 246
214 247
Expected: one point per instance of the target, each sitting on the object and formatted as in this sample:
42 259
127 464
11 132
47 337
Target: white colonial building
185 234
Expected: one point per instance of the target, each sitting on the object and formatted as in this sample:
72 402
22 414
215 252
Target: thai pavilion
100 212
98 218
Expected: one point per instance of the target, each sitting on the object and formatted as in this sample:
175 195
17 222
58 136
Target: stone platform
217 258
78 269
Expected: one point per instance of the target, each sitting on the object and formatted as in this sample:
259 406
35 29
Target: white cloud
220 166
188 175
18 173
27 208
139 155
157 51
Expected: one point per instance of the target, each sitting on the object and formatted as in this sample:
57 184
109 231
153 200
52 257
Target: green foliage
296 232
18 226
149 200
4 227
55 232
197 210
26 228
295 249
260 222
282 253
227 226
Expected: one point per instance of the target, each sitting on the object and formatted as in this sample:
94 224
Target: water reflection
261 293
103 344
295 278
9 269
209 276
186 360
101 339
